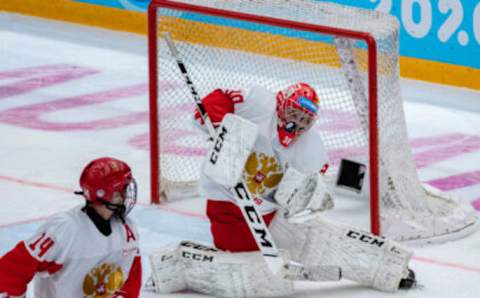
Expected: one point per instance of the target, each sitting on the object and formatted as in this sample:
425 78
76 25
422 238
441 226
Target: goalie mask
109 181
297 108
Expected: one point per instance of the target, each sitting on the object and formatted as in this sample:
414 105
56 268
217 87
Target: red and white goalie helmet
105 178
297 108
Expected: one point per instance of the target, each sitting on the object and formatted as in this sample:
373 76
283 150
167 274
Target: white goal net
350 56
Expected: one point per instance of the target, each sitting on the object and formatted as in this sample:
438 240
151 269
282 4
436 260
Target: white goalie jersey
268 160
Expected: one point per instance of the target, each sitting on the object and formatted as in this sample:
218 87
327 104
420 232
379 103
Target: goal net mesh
226 52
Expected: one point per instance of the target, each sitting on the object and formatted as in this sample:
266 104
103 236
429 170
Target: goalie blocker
231 147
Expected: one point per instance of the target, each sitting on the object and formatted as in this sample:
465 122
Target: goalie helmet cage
349 55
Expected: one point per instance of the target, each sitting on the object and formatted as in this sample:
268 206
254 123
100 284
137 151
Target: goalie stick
244 200
255 222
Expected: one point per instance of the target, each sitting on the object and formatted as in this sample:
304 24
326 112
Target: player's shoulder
258 104
308 153
64 217
258 93
309 137
64 223
54 238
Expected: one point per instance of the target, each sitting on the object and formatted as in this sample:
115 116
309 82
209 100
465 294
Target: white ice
41 157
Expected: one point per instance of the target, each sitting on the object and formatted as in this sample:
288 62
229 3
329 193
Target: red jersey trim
131 288
18 267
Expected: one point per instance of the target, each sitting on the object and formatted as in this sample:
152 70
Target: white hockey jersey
268 160
71 258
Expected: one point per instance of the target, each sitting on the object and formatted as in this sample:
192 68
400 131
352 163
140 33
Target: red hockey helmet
105 177
297 108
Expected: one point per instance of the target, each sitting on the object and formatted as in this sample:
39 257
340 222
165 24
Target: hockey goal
350 56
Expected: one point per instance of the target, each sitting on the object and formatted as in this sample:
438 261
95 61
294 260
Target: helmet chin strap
118 209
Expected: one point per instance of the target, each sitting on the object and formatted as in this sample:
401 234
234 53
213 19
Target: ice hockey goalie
284 173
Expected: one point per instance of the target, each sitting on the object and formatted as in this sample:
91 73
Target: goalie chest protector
265 165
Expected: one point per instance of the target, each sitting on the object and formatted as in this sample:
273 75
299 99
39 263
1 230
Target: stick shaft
252 216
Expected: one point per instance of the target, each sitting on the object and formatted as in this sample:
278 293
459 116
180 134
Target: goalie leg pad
292 238
210 271
364 258
167 270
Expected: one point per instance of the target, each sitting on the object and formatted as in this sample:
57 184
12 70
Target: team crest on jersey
262 173
103 281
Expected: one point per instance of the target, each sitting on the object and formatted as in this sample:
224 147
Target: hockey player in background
88 251
285 174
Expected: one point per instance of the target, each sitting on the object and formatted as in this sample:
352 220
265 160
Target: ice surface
70 93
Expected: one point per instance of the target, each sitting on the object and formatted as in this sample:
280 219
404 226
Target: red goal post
323 44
